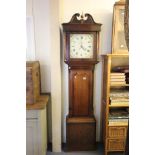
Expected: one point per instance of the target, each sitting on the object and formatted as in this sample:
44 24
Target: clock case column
80 122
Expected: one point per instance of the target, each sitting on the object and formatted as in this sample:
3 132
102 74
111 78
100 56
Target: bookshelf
115 101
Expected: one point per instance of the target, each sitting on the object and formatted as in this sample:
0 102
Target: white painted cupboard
36 132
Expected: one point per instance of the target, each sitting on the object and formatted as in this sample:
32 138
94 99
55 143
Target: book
119 93
118 119
117 82
120 99
117 77
119 104
117 74
124 69
118 123
117 115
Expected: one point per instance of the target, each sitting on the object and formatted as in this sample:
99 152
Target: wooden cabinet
33 85
36 132
36 127
36 122
31 136
115 101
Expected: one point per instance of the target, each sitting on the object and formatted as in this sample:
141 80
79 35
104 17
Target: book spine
119 80
117 76
117 83
119 120
118 123
119 100
117 73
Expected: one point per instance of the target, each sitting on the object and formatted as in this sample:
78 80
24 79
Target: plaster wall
46 17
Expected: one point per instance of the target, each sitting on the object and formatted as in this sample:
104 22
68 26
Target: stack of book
117 78
119 97
118 117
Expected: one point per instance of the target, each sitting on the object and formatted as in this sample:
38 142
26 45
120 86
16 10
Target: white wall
45 17
47 51
38 12
43 40
30 49
39 42
101 10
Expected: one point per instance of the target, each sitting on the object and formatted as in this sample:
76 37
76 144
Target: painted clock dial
81 45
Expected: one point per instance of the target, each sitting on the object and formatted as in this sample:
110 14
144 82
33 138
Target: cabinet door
36 132
81 92
32 137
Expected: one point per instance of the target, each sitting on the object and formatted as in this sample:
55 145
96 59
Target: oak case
81 26
80 122
81 92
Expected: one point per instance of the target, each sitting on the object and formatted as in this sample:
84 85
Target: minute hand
83 48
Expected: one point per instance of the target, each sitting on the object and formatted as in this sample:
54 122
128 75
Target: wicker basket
116 144
117 132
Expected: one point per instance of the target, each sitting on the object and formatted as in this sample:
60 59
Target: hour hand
83 48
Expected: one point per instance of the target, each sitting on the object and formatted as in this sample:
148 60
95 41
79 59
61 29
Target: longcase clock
81 44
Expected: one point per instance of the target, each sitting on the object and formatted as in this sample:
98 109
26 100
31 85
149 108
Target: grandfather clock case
81 44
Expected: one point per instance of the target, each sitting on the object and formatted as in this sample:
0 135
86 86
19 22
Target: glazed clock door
81 92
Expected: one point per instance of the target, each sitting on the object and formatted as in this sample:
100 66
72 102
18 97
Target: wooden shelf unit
114 134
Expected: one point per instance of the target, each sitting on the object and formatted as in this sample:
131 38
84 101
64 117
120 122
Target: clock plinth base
80 133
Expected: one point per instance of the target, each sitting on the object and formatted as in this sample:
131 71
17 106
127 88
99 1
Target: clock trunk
81 92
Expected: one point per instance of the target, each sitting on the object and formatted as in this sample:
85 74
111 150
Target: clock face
81 45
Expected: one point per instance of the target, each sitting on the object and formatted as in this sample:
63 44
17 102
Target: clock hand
83 48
